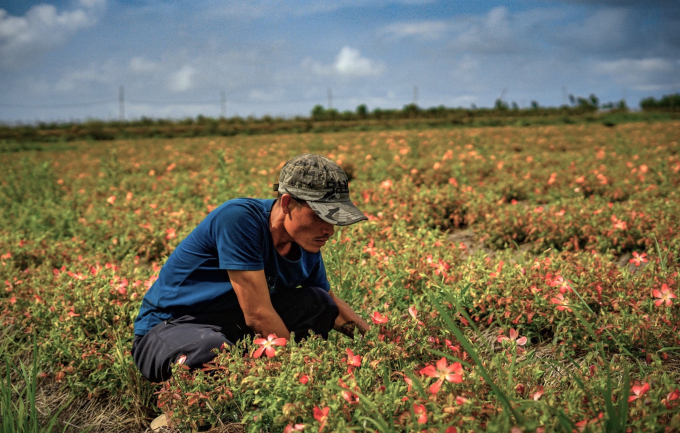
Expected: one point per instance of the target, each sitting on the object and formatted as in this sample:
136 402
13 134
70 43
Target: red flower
451 373
513 337
638 259
267 345
304 379
352 361
562 304
421 411
378 318
321 415
665 295
638 391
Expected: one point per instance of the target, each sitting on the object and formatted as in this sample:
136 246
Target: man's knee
168 343
316 301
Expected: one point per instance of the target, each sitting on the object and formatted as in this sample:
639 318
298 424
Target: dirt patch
470 244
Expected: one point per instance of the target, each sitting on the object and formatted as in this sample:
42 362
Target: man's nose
328 228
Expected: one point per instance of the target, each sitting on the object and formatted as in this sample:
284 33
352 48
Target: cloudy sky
66 60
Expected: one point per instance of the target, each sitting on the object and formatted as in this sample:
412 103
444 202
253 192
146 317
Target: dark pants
302 310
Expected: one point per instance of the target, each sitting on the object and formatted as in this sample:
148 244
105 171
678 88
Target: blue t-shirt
235 236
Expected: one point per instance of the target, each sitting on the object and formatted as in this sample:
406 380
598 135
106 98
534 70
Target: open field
565 234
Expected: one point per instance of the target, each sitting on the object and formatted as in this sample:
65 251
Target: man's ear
286 203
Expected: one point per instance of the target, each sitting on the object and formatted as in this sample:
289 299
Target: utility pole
415 95
121 103
330 99
223 100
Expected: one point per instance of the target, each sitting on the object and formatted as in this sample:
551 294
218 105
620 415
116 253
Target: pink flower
451 373
352 360
440 267
672 396
619 224
665 295
638 391
349 396
513 337
562 304
414 313
111 199
291 428
386 184
562 283
378 318
638 259
538 394
421 411
267 345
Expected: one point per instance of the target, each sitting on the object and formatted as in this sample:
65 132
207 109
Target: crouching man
252 266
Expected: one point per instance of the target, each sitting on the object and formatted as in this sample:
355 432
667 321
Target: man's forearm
348 320
268 322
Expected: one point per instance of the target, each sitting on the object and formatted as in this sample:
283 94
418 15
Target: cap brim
338 213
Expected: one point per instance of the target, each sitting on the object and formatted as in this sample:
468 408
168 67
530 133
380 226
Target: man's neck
282 240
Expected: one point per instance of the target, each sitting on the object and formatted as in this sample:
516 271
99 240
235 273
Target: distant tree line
666 103
579 110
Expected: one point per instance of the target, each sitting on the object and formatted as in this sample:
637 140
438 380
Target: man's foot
159 422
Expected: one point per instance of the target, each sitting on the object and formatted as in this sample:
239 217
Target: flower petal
258 352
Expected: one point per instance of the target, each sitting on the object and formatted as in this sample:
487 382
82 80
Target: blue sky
65 60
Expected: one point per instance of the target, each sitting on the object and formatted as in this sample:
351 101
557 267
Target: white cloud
80 80
602 31
496 32
41 29
642 74
348 63
140 65
421 29
183 79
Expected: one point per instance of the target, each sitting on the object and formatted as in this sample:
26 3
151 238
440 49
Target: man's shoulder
255 204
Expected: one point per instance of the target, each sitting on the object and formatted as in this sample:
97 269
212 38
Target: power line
73 104
221 102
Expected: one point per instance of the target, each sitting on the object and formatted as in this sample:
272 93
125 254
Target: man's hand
253 297
348 321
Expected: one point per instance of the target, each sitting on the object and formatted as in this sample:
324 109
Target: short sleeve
239 233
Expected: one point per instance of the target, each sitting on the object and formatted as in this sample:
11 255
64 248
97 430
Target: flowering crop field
516 278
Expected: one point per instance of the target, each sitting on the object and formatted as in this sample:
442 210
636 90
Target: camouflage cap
323 185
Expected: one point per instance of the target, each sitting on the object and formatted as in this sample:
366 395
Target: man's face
306 228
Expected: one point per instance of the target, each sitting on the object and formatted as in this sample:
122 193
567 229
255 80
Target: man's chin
313 249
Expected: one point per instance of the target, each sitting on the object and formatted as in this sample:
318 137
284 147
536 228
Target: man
252 266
